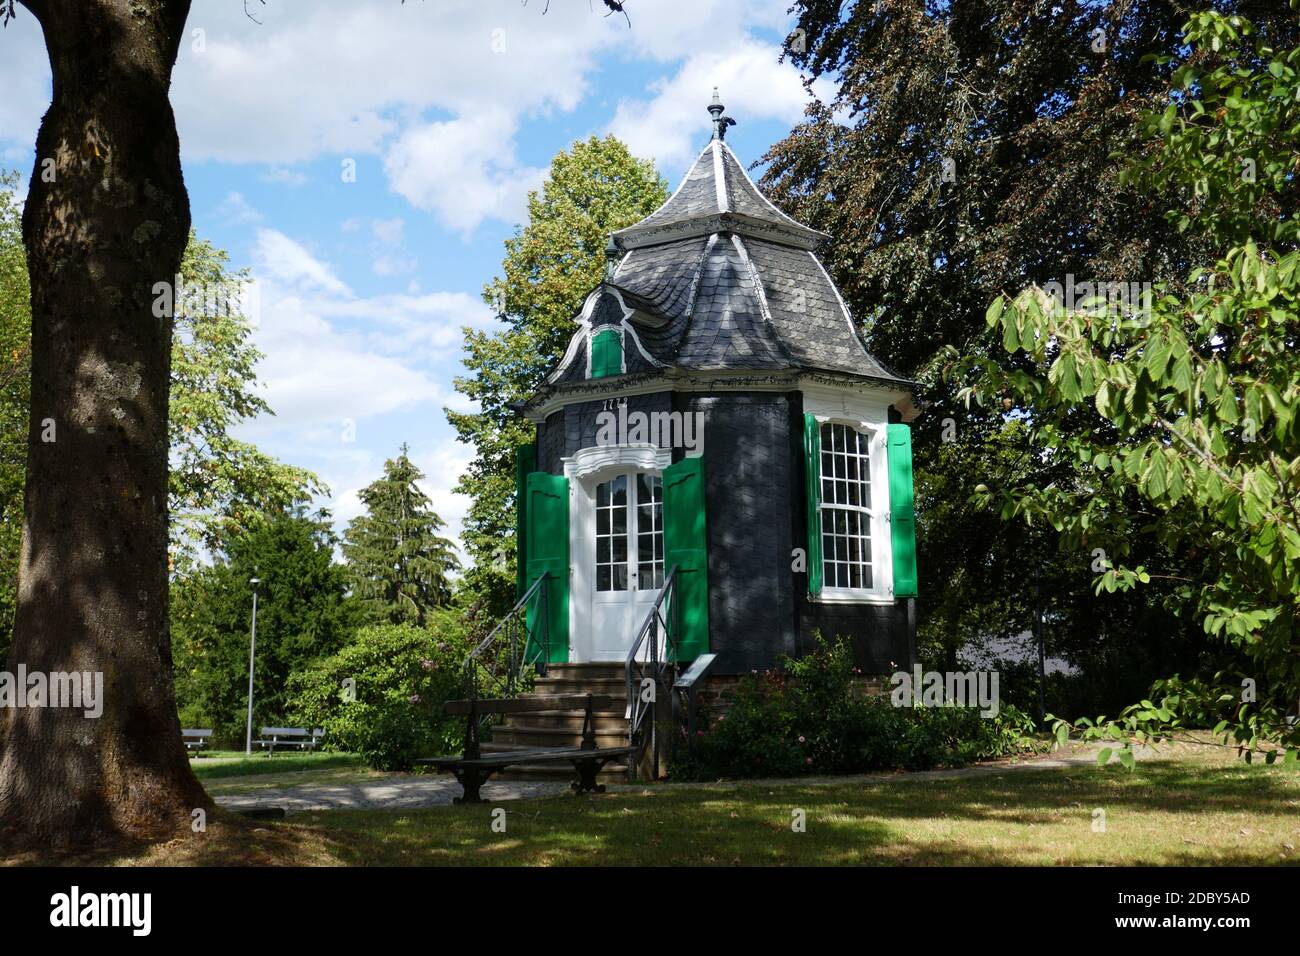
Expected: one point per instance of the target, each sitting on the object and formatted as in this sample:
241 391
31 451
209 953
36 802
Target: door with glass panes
629 559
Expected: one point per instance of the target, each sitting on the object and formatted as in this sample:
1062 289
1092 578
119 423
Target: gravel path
406 792
398 792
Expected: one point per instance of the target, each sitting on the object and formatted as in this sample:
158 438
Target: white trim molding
587 462
832 387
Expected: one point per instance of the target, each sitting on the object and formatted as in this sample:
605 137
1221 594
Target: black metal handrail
503 655
657 640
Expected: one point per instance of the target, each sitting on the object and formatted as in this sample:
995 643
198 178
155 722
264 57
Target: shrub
806 718
402 675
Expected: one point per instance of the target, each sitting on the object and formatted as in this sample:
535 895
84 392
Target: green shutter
547 534
686 547
606 353
812 455
525 462
902 510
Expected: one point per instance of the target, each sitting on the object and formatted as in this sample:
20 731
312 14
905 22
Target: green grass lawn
217 764
1191 805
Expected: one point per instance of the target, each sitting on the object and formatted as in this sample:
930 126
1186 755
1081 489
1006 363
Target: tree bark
93 583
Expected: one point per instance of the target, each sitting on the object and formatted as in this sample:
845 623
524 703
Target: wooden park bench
295 738
195 740
473 767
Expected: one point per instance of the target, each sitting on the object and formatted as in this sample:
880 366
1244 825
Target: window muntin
611 535
650 531
629 515
846 508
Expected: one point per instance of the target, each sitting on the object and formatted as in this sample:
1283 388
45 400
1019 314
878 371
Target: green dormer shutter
812 455
902 510
606 353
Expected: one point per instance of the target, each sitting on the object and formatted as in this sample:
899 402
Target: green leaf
994 312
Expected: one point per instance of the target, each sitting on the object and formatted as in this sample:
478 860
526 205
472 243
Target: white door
629 566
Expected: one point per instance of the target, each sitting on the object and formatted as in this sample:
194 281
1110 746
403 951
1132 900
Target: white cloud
463 170
281 259
321 375
283 176
332 357
339 78
387 255
236 209
388 231
424 326
674 124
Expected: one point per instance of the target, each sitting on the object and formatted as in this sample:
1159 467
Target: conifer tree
398 564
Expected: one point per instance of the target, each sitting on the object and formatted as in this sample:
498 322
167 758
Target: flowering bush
381 695
806 718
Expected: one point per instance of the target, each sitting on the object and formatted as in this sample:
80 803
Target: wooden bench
472 769
195 740
299 738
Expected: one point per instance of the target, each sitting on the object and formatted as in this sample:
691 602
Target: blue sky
449 112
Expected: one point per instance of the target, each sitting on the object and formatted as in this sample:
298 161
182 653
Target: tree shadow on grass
1164 813
1014 818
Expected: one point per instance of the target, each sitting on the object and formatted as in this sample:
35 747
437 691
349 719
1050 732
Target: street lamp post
252 649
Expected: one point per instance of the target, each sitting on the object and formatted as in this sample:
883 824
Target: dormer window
606 353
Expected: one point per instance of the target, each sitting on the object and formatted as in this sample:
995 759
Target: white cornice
599 458
674 380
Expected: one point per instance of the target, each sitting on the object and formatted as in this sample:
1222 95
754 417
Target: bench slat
290 732
525 756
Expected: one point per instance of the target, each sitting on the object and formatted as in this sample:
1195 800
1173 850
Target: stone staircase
563 728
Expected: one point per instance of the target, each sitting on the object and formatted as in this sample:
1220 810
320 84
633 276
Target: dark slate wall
754 487
574 427
747 474
879 633
550 444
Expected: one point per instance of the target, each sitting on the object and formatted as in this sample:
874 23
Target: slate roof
717 278
716 195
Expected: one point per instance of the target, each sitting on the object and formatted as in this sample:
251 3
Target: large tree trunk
93 578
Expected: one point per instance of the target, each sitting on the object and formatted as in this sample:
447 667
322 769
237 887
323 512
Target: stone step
587 669
610 686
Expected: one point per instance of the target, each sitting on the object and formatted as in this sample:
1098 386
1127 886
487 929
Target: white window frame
868 415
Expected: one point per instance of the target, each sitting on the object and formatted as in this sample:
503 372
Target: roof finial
613 252
720 122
